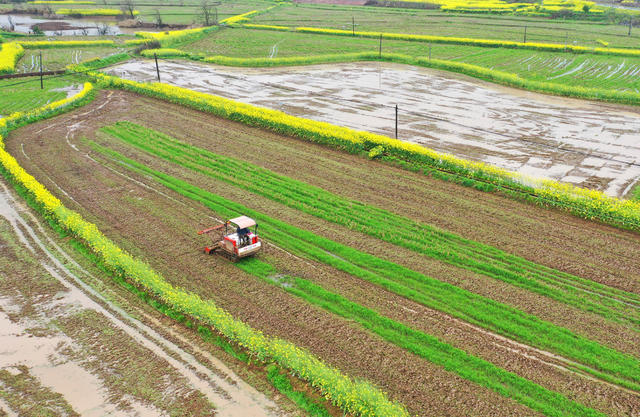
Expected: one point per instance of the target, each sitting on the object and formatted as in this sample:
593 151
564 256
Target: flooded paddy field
52 26
589 144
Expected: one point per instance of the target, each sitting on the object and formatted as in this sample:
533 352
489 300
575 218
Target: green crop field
431 22
583 70
392 280
24 94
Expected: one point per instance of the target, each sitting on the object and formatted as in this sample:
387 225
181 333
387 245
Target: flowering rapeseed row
10 53
239 18
166 38
355 397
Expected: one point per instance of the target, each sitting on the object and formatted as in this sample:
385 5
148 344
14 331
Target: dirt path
158 225
77 375
584 143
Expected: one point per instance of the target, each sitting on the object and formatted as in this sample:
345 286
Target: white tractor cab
235 239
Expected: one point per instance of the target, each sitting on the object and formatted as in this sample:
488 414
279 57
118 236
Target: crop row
491 43
389 227
423 345
61 2
589 356
174 36
64 44
10 53
92 12
589 204
355 397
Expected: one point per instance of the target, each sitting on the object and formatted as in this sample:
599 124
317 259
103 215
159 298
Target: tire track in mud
231 396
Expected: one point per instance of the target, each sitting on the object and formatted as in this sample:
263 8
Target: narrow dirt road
47 340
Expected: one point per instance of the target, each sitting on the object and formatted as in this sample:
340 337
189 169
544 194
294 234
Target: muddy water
68 27
585 143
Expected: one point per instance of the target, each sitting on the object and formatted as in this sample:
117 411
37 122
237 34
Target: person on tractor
243 236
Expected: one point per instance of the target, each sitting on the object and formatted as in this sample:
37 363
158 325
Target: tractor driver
243 235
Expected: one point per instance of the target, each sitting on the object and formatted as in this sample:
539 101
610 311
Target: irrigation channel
46 339
589 144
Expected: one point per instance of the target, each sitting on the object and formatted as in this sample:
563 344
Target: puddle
589 144
50 366
70 90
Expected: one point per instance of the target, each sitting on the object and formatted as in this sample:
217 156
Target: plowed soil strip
140 218
609 302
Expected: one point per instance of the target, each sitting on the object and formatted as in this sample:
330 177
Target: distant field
55 59
575 69
433 22
173 12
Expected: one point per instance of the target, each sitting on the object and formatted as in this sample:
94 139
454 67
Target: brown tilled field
159 225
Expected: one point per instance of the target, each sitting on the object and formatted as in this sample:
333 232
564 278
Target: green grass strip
281 382
422 238
424 345
591 357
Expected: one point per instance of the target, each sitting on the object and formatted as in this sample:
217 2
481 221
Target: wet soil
159 226
584 143
66 350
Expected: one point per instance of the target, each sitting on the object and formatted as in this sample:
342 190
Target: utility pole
396 121
429 52
630 24
157 68
525 34
41 81
353 25
380 47
566 39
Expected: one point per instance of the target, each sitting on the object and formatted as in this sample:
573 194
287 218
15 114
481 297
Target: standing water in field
585 143
51 27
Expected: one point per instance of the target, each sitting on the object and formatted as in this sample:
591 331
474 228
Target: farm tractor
234 238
